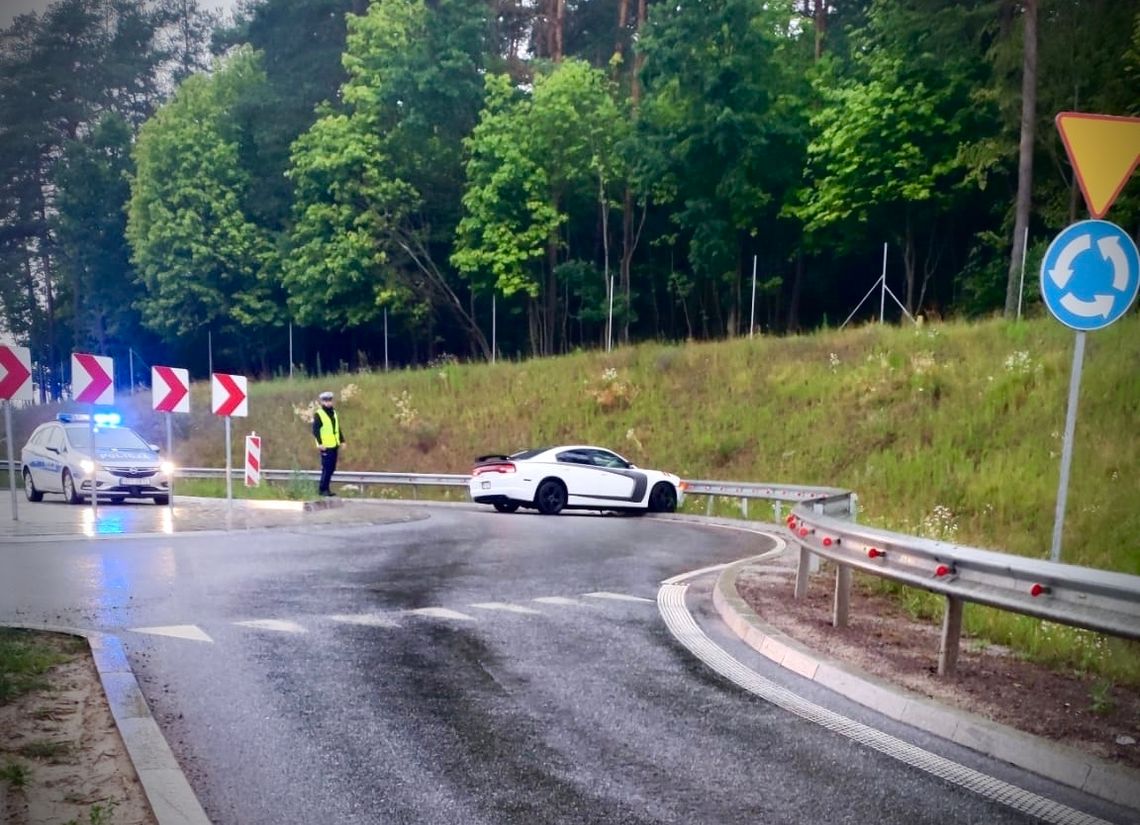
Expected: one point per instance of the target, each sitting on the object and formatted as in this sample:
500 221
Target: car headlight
167 467
87 465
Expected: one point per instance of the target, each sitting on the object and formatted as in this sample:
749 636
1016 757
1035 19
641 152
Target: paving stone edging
171 798
1060 763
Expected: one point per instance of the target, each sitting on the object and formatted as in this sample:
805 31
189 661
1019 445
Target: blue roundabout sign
1090 275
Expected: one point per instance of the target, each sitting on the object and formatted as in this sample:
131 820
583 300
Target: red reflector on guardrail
943 570
874 552
827 541
1039 589
804 531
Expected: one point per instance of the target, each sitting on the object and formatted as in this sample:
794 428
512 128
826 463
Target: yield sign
169 387
91 381
228 394
15 373
1104 151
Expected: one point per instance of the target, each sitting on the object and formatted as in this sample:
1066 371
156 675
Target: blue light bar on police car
111 419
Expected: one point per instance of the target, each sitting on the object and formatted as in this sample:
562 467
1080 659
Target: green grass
14 774
44 750
950 431
27 656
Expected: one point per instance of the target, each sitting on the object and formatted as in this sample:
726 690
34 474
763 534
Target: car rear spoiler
492 457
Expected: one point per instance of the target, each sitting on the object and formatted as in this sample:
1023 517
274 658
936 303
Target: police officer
326 431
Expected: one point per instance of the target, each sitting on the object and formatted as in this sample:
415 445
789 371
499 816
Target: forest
343 184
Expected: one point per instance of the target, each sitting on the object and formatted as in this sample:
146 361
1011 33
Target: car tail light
504 467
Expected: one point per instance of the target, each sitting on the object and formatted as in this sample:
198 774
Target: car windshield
106 438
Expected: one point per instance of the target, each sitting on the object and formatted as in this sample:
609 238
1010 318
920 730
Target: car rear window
523 455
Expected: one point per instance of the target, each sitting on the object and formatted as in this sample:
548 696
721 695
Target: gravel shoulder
881 639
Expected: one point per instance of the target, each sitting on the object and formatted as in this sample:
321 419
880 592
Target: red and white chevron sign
228 394
170 389
15 373
91 381
252 460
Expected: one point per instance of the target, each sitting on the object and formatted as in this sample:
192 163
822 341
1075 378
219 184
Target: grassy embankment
951 431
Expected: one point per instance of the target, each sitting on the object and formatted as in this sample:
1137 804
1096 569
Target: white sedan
554 479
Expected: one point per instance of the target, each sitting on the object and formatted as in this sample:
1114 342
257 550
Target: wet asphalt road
540 685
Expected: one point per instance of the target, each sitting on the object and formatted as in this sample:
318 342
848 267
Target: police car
58 459
553 479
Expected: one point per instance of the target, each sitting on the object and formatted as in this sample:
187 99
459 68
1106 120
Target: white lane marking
559 600
177 631
276 625
618 597
692 574
442 613
365 619
671 604
509 608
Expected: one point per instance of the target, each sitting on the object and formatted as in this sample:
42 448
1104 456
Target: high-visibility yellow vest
330 429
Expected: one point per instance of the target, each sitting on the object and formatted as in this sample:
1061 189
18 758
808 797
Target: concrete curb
167 790
1057 762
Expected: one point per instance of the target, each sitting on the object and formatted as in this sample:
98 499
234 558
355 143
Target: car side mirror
154 447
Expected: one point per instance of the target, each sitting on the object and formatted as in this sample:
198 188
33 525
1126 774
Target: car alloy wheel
69 491
550 497
30 488
663 498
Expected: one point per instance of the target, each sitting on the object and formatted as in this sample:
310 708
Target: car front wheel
550 497
70 494
30 488
663 498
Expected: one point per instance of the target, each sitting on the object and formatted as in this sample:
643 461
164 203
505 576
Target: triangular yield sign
1104 151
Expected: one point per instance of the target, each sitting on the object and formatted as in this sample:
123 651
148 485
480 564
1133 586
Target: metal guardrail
822 524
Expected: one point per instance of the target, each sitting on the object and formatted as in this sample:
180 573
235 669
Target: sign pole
94 467
1067 447
170 458
11 461
494 328
385 339
229 466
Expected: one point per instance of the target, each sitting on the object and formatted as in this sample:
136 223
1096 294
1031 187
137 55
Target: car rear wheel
30 487
663 498
550 497
505 506
70 494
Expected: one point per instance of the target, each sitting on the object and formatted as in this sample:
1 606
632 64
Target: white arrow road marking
365 619
559 600
509 608
277 625
1113 252
1100 305
177 631
619 597
1063 271
442 613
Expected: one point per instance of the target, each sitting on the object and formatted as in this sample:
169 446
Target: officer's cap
326 396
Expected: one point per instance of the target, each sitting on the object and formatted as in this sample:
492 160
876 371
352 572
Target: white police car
574 477
58 459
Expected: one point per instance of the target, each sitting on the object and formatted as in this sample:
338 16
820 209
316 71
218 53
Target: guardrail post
951 634
842 595
802 570
743 507
709 505
778 511
853 507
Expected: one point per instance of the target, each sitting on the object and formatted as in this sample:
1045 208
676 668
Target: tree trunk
820 26
1025 160
551 291
909 265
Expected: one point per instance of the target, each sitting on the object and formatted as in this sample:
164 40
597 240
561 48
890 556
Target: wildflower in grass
349 392
403 412
305 412
1020 363
833 360
939 523
631 435
613 393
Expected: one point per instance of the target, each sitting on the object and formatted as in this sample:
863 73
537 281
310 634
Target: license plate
486 485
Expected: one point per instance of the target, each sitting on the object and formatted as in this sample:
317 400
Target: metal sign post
11 461
230 397
94 467
170 458
752 321
229 467
1089 278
